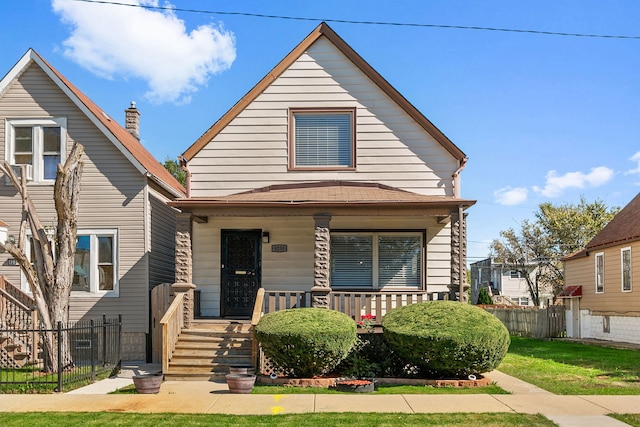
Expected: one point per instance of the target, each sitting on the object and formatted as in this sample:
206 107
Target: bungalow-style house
126 230
322 180
602 295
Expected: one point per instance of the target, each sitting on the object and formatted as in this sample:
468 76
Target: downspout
183 165
456 178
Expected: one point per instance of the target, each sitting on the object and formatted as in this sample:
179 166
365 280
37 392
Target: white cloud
121 42
636 170
508 196
557 184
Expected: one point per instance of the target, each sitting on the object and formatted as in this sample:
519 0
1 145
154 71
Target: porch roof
324 194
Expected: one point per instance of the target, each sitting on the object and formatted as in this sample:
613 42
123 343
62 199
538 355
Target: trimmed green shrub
484 297
446 339
304 342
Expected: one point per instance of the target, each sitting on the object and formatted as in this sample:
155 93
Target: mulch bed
331 382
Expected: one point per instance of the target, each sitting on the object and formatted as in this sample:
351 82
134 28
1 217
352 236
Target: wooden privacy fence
532 322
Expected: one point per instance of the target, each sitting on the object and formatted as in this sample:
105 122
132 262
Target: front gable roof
126 143
323 30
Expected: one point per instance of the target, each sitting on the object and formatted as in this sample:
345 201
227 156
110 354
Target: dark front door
241 259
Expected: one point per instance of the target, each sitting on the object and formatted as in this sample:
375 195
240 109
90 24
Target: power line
347 21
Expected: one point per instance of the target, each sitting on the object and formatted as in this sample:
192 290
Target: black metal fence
94 350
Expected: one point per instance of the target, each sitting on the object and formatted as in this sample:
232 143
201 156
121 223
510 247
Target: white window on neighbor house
37 143
95 268
376 260
322 139
599 273
625 264
524 301
514 274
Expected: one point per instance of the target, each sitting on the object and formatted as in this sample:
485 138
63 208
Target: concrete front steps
209 348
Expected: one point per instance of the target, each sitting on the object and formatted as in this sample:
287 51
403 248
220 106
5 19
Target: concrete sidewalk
213 397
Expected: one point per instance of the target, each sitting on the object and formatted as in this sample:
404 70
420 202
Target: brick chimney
132 120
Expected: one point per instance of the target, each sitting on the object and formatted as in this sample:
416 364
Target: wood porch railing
172 323
353 304
19 323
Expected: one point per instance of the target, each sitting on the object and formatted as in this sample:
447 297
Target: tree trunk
50 278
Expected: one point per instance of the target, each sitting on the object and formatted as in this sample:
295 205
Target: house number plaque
278 248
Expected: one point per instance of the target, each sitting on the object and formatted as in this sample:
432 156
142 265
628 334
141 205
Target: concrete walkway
213 397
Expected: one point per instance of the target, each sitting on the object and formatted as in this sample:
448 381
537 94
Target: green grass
631 419
381 389
565 367
47 419
31 380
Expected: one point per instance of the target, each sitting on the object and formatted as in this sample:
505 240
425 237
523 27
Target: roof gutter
165 186
456 178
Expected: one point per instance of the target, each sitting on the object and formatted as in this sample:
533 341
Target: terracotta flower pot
147 384
240 383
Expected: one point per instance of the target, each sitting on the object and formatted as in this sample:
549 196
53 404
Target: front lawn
631 419
70 419
566 367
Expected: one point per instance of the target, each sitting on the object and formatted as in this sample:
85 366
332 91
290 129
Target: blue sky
541 117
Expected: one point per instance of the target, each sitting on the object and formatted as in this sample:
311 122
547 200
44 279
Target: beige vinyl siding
111 197
252 151
163 233
293 270
613 301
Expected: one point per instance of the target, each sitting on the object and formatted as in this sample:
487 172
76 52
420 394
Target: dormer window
39 143
322 139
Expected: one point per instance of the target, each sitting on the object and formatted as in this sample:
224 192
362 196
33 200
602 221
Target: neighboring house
126 231
322 178
602 294
503 282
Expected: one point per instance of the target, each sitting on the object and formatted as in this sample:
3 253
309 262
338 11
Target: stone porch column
322 262
184 265
458 287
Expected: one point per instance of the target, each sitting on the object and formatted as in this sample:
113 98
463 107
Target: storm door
240 272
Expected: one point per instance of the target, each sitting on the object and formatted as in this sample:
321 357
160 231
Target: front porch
196 349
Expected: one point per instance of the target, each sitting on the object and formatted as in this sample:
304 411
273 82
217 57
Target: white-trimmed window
322 139
599 272
39 143
95 268
376 260
625 265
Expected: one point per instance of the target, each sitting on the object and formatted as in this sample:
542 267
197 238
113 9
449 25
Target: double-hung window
625 265
95 267
321 139
376 260
600 273
37 143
